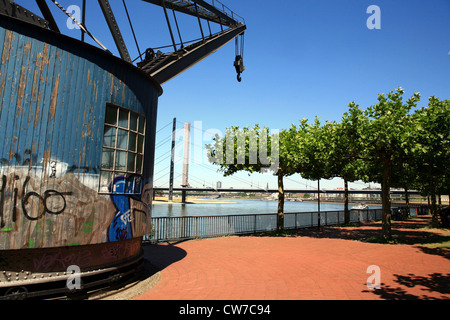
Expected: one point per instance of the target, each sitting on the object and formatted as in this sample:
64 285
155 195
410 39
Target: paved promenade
301 267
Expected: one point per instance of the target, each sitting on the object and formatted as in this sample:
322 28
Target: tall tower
186 147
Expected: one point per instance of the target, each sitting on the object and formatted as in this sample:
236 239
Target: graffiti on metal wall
39 212
27 159
51 201
125 195
54 209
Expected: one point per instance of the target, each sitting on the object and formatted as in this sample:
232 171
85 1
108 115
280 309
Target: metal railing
197 227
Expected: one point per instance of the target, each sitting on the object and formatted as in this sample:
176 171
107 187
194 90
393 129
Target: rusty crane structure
78 127
161 66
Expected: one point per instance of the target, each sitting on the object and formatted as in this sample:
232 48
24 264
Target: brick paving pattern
295 268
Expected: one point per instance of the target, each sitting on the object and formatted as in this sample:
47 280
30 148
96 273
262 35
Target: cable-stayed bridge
200 184
254 190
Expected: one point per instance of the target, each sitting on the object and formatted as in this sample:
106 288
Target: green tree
317 151
344 163
307 149
243 149
254 150
431 150
403 176
383 132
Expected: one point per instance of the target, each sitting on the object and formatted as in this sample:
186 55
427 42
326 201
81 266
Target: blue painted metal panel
53 96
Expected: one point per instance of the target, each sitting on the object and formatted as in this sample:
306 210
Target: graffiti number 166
45 204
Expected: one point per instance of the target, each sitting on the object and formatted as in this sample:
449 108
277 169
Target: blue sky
303 58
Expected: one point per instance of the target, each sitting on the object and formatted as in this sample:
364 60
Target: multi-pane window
123 145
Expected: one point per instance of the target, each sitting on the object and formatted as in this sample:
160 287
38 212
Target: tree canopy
390 142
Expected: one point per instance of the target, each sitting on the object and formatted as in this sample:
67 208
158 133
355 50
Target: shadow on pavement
436 283
161 256
156 258
415 231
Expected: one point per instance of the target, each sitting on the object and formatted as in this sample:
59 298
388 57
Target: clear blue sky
303 58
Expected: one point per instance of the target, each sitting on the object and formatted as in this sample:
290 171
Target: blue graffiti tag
122 189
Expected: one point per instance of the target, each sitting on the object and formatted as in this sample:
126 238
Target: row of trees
392 143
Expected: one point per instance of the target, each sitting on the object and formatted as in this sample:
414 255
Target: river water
239 206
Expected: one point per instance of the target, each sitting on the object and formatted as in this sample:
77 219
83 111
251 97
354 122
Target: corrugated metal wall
53 94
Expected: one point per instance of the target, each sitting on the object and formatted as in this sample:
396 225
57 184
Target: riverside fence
197 227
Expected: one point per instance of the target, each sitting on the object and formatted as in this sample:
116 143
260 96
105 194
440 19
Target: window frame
113 171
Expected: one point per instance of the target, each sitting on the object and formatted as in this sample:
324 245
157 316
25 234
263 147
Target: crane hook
239 65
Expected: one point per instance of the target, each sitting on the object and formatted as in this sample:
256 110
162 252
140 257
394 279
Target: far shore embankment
190 200
201 200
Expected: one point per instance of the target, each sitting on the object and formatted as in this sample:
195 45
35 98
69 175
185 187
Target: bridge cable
231 177
164 126
163 142
163 155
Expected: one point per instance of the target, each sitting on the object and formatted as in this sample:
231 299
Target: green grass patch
347 225
441 245
382 240
283 233
432 241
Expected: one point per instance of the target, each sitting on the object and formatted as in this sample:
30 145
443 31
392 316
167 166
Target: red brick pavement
300 268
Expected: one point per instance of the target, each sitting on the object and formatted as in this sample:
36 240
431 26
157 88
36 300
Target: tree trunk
434 212
346 211
407 200
386 200
280 218
439 203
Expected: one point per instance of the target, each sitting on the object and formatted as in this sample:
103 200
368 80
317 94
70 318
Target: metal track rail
91 281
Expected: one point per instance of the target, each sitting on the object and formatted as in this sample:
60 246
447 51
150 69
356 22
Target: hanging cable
242 45
239 61
80 25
